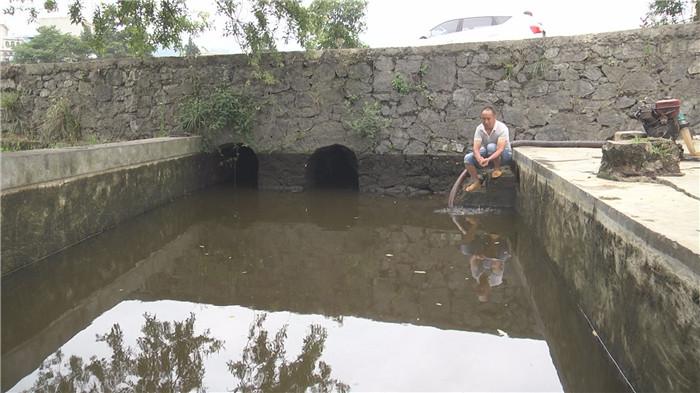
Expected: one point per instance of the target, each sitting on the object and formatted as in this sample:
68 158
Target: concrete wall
560 88
639 290
52 199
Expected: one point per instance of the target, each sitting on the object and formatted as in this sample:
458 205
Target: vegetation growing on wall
368 121
222 110
61 123
400 84
11 107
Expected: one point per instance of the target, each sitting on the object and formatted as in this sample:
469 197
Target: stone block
632 160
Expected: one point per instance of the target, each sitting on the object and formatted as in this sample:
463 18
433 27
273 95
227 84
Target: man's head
488 117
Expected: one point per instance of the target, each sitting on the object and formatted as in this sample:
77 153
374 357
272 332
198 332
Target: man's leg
504 158
471 164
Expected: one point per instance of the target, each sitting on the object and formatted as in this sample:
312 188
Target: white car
485 28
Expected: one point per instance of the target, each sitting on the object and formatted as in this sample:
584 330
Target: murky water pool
241 290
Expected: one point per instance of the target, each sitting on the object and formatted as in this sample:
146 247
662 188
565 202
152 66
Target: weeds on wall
368 121
508 69
403 86
61 123
11 109
221 111
400 84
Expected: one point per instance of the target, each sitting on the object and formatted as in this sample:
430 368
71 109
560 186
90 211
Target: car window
451 26
479 21
498 20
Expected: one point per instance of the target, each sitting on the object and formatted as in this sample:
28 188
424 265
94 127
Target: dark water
241 290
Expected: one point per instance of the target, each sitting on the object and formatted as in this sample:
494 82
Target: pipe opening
332 167
241 165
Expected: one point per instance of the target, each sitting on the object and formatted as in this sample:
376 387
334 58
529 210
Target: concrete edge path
25 168
666 215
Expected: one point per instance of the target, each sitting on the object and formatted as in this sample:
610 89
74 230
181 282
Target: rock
384 63
581 88
640 159
624 102
410 65
605 92
462 98
441 74
694 68
551 53
593 73
360 71
382 82
639 81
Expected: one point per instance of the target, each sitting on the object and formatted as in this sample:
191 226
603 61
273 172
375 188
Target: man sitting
491 145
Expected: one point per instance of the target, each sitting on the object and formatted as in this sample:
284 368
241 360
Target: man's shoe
496 173
473 186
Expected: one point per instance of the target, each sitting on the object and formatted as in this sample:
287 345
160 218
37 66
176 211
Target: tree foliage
336 24
50 46
170 357
665 12
142 25
145 24
324 24
139 27
190 49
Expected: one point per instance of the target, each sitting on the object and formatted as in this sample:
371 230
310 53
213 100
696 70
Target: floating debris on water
419 271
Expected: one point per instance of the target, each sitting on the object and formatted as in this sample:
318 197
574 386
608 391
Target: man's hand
483 162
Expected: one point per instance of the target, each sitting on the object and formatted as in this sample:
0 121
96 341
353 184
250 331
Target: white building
7 43
62 24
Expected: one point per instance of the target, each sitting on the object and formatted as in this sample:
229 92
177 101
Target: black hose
525 142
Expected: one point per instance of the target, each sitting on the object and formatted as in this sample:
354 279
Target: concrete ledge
103 186
665 218
629 252
38 166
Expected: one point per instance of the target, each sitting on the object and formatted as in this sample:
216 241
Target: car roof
524 13
481 15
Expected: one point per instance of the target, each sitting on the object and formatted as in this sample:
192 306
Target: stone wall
560 88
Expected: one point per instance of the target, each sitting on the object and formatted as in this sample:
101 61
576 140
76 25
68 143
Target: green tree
111 44
256 25
324 24
336 23
143 25
50 45
191 49
665 12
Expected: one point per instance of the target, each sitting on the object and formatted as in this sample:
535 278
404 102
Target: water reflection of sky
366 355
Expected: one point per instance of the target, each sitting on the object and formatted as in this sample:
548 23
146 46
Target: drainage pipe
518 143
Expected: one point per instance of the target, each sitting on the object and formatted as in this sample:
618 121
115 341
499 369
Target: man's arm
477 153
500 146
475 149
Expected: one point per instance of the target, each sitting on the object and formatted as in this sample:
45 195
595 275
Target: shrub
60 123
222 110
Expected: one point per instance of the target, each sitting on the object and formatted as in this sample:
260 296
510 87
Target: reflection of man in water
487 262
488 272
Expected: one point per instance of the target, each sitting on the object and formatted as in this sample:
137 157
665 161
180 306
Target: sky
400 22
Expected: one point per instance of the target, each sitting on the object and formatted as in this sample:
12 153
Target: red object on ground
668 107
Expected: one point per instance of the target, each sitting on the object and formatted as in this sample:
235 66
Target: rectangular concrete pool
233 289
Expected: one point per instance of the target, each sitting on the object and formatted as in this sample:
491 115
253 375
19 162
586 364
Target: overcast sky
400 22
